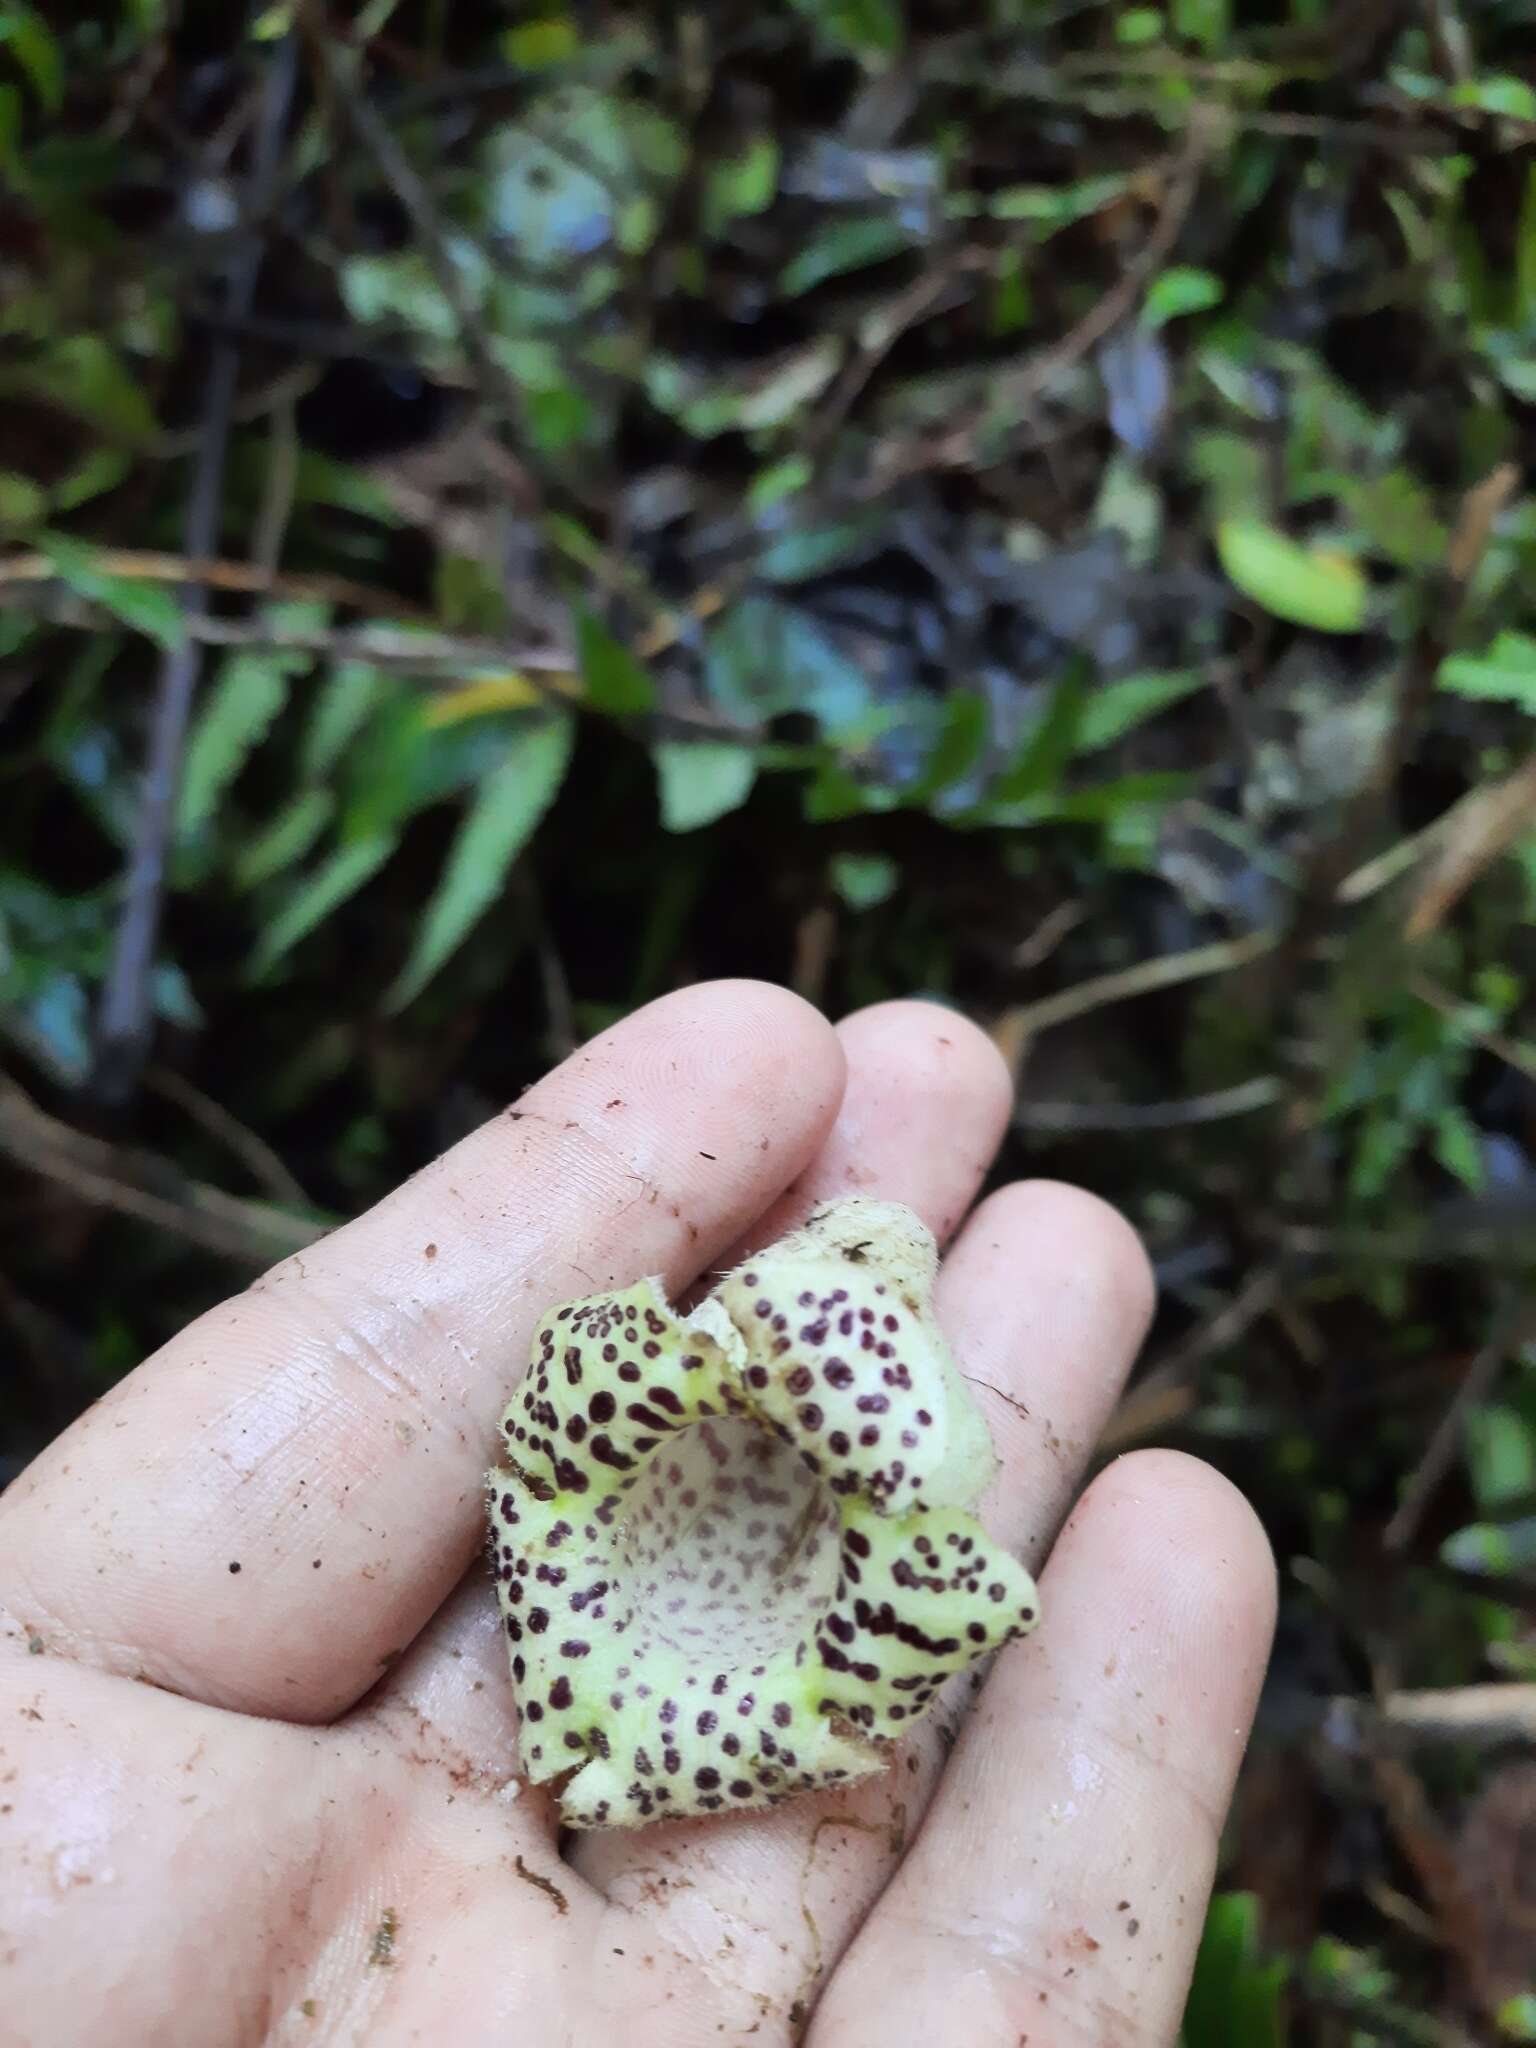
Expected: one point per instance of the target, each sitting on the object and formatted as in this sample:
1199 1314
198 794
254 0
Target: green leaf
235 717
864 880
870 28
1384 1144
397 765
85 375
763 659
702 780
35 49
290 836
1492 1550
318 895
615 680
809 551
1232 467
841 246
23 504
502 819
1180 291
147 608
346 701
1206 22
1115 709
1399 515
1525 258
10 132
1234 1999
1505 674
957 748
739 186
1042 760
1057 206
1139 25
537 45
1498 93
1459 1149
1501 1456
1308 586
780 480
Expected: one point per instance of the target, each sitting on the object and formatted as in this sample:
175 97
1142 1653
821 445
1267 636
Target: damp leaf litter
734 1548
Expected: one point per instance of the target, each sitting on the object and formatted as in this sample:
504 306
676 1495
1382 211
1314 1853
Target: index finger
268 1510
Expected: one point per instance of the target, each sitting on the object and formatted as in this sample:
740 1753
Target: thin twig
1489 1714
1015 393
1229 1323
1413 691
1441 1451
125 1023
1166 1394
1503 813
279 491
206 573
337 59
1215 1107
563 1037
147 1188
253 1152
443 660
1168 970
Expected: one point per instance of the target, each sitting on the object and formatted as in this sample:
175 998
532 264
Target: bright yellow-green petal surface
732 1548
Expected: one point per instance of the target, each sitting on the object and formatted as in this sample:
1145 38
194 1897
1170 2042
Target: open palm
257 1744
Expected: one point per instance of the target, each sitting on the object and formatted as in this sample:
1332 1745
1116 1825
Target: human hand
256 1736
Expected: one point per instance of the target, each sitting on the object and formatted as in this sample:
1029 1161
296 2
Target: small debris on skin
543 1884
381 1950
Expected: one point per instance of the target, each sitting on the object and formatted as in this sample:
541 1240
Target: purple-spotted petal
731 1548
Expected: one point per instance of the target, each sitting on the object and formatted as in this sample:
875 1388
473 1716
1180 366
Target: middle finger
1045 1299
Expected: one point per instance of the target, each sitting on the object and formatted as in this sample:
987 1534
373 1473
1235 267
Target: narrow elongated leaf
36 51
1506 673
290 836
1180 291
1501 1456
148 608
346 699
701 781
312 902
615 680
235 717
867 27
1118 708
1525 257
957 749
502 819
1042 760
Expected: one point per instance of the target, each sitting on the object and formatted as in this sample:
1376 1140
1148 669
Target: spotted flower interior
731 1547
